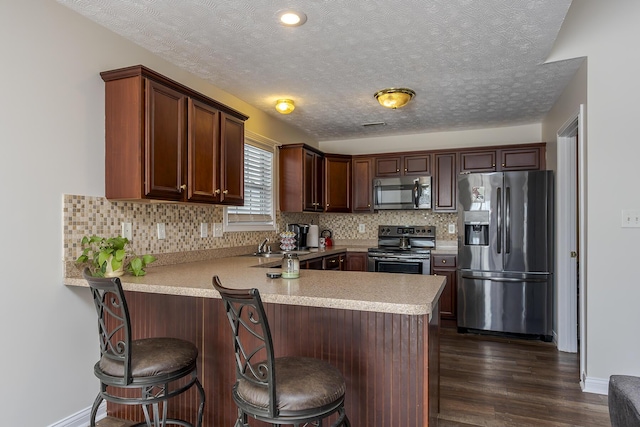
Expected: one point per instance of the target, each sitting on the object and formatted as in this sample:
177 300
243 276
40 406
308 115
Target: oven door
394 264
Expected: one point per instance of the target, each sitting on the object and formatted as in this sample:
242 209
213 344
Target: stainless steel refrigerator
505 251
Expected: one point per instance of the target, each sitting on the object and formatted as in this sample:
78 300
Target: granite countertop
350 290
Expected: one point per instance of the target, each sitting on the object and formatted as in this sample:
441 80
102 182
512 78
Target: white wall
607 33
565 108
436 140
52 142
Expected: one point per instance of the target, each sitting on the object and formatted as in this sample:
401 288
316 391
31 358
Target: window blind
258 189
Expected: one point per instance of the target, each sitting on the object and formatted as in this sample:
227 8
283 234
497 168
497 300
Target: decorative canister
290 266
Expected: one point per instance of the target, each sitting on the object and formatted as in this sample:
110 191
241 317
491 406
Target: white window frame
266 144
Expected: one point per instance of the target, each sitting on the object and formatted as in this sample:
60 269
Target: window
258 213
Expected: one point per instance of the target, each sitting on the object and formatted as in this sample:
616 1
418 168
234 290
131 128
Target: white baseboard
82 418
596 385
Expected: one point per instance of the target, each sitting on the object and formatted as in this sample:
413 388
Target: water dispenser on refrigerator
476 228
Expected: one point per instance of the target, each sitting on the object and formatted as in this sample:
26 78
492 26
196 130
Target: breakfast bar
379 330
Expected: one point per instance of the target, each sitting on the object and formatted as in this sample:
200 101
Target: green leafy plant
104 255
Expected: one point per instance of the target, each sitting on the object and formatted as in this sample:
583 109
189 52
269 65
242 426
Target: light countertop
350 290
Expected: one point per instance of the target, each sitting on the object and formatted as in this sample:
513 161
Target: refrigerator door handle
499 207
503 279
507 220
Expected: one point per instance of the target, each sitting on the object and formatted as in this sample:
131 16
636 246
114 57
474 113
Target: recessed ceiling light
291 18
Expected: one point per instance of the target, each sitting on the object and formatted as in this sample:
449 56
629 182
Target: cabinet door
445 187
309 180
417 165
445 265
357 261
362 185
165 162
312 199
478 161
337 183
388 166
231 160
203 151
334 262
314 264
520 159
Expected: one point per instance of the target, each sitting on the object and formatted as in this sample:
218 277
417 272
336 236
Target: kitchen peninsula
377 328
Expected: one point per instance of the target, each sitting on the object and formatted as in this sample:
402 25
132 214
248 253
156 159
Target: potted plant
109 257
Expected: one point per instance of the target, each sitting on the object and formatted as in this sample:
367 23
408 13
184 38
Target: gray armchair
624 401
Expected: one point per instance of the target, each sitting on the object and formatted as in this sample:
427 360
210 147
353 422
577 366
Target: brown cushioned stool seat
292 390
152 357
302 383
153 371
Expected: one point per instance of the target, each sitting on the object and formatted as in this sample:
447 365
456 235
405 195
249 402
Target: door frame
571 194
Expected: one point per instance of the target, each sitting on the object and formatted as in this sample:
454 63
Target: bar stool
284 390
158 368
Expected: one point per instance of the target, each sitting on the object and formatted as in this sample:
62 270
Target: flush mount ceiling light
285 106
291 18
394 97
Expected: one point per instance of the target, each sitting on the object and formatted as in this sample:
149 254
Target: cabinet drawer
443 261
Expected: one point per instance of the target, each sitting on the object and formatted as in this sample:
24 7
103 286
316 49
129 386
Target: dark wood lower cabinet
445 265
357 261
390 361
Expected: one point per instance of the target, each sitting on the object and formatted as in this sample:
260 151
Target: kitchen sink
277 254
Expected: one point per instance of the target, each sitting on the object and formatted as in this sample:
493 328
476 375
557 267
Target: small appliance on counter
301 231
313 236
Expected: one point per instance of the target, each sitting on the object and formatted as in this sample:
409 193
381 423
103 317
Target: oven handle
376 258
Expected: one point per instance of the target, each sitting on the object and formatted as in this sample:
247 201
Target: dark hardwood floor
494 381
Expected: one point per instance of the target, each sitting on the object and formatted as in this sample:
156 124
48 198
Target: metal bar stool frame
256 364
116 348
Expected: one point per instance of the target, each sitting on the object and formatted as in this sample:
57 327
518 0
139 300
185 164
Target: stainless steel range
403 249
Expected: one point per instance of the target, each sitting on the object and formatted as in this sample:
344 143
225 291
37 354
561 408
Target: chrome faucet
261 245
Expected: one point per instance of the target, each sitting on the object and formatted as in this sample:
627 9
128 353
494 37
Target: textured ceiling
472 63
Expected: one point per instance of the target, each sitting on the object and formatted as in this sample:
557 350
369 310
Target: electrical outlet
361 228
630 218
127 230
452 228
204 229
217 229
161 233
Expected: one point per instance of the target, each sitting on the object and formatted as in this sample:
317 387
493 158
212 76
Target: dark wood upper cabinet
442 165
166 141
231 160
514 159
337 183
417 164
399 165
496 159
388 166
362 178
478 161
203 184
445 183
301 179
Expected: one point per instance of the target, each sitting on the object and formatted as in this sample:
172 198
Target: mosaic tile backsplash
87 215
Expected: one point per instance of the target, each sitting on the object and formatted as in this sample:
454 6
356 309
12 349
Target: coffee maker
301 231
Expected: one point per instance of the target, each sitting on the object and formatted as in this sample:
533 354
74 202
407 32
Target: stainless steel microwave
405 192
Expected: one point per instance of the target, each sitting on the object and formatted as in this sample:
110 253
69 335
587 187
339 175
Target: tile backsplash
88 215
